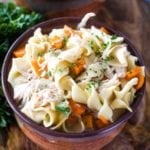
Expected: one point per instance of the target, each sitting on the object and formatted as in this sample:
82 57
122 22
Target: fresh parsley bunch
13 21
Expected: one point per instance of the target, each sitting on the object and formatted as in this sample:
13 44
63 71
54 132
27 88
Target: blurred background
132 18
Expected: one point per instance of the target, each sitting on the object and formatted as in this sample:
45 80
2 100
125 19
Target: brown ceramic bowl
54 140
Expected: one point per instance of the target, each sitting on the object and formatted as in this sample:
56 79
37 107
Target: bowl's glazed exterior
50 142
54 140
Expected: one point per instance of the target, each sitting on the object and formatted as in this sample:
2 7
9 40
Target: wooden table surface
131 17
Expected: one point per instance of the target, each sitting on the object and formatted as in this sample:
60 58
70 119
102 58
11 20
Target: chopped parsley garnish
89 85
101 102
52 49
97 37
53 53
104 45
63 107
96 84
91 44
98 53
104 70
47 73
92 69
40 54
60 70
72 74
113 37
65 40
108 58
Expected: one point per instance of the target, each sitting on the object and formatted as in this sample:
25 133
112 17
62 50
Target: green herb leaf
89 85
101 102
6 114
104 45
65 40
53 53
113 37
97 37
108 58
91 44
40 54
98 53
13 21
48 73
63 107
94 83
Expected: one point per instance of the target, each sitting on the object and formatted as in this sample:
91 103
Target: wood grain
132 17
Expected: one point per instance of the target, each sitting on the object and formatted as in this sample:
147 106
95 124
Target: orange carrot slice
78 67
133 73
104 120
136 72
88 121
56 42
104 30
140 82
77 109
19 52
37 68
99 124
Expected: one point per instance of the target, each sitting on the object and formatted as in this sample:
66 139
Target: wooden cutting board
132 17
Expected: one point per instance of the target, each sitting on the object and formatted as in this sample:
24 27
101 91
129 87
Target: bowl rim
43 130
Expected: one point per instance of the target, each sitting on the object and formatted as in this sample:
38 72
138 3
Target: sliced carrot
77 109
67 31
99 124
133 73
104 120
56 42
81 61
37 68
140 82
104 30
41 60
88 121
78 67
76 70
58 45
19 52
136 72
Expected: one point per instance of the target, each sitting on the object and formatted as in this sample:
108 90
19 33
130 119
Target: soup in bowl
73 85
